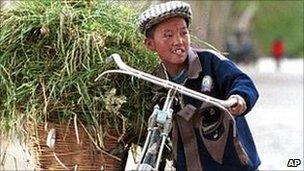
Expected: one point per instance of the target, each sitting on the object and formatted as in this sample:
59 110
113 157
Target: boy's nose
178 40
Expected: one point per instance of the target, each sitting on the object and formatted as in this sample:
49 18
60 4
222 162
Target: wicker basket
67 154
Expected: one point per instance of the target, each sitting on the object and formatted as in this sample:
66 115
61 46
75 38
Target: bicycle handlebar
125 69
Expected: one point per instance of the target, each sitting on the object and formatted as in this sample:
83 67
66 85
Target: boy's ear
149 44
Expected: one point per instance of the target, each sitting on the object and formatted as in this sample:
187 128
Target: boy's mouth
178 51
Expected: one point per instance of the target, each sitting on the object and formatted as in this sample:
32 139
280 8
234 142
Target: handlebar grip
233 102
112 57
230 103
109 59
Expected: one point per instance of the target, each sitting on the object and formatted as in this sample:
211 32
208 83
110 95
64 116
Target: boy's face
170 40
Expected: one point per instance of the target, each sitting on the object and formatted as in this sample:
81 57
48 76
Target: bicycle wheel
149 159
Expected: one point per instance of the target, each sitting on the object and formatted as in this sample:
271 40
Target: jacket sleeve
232 80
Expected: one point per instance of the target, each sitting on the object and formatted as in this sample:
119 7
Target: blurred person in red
277 51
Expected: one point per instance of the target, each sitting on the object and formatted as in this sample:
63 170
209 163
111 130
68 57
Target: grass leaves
51 52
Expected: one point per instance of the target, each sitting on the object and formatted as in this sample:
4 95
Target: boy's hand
239 107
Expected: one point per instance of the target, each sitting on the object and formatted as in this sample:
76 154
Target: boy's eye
184 33
168 35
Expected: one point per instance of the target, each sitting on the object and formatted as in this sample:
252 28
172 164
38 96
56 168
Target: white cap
158 13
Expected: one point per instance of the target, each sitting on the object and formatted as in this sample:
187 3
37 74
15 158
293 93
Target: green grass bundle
51 52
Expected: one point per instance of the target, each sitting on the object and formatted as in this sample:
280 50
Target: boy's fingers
240 107
235 110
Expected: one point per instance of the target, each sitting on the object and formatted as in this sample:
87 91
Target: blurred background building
245 29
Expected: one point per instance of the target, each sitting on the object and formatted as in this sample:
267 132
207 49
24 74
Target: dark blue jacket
211 73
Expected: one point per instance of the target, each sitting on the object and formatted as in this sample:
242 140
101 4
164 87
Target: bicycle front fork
156 139
159 126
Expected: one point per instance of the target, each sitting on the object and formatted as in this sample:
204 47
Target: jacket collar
194 66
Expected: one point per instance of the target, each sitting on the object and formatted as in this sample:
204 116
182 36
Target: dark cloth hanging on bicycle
211 73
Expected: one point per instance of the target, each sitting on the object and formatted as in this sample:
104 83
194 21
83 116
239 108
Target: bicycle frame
163 118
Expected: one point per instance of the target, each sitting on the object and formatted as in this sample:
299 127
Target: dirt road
277 119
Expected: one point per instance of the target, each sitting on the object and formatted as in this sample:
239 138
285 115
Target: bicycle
160 121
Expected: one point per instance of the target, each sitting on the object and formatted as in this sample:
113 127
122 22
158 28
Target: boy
202 139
